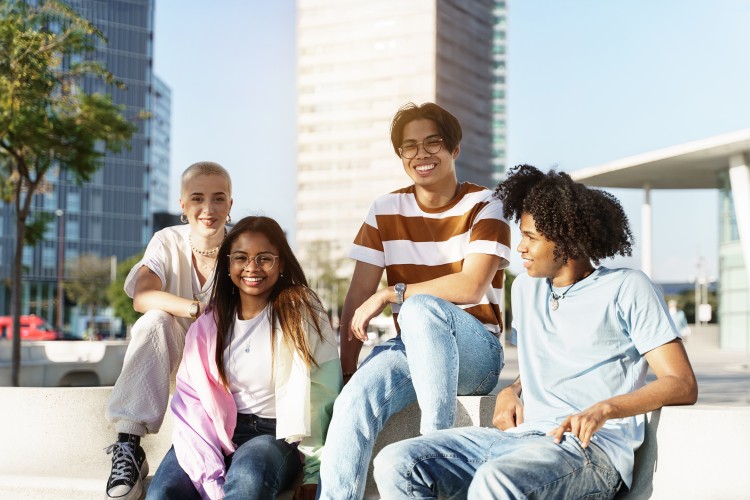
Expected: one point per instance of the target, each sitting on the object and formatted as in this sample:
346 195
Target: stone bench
52 442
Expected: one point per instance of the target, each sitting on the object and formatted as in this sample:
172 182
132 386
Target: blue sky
588 82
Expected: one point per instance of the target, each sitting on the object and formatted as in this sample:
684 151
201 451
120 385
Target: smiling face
537 251
255 283
435 172
206 201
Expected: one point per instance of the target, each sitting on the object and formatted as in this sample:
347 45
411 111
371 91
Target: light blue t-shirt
590 349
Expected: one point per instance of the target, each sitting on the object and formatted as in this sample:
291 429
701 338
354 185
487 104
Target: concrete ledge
694 452
52 444
53 439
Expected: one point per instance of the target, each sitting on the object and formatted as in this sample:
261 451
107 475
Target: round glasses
263 261
431 145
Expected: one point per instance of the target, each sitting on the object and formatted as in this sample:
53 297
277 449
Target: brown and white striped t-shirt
415 243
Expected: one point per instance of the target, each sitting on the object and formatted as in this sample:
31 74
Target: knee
488 480
391 466
421 312
151 320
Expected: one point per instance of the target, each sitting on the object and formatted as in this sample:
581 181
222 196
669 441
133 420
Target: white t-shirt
247 361
157 257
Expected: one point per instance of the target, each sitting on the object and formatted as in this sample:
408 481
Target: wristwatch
400 290
194 309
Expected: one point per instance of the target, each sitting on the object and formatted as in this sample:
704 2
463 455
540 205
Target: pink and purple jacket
206 415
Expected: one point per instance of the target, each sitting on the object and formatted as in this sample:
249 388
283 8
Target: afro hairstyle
582 222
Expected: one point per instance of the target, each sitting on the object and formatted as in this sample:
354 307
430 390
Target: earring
183 218
229 218
281 275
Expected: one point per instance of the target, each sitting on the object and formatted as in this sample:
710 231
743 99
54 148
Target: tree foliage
89 277
121 304
324 273
47 122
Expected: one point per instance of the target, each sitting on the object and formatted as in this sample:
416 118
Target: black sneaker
129 467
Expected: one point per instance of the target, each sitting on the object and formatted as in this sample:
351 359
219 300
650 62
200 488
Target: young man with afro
568 427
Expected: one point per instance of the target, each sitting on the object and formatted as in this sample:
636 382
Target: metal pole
60 269
646 221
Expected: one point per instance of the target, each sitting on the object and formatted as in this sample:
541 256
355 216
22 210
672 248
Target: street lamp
60 267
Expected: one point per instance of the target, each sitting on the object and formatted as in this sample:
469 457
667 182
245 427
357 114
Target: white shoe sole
136 492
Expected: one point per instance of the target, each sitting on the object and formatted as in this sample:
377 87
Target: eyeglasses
263 261
410 149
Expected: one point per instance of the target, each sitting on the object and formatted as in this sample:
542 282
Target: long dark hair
292 301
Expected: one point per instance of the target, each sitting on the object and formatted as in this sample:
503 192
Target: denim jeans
442 351
481 463
260 468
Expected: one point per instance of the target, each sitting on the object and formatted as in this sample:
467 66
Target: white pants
140 395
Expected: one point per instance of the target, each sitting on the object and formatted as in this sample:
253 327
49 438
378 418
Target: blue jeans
442 351
480 463
260 468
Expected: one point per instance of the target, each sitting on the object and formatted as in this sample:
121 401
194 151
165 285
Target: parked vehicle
32 328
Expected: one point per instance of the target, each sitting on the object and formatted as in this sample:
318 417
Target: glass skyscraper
111 214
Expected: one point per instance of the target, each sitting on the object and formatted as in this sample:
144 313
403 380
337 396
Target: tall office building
160 127
111 214
358 62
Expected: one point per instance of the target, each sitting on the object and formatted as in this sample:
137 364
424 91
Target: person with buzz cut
443 245
568 427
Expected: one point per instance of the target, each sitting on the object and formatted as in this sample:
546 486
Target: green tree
47 121
324 273
121 304
89 277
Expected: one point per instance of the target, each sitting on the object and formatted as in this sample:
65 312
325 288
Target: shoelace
123 462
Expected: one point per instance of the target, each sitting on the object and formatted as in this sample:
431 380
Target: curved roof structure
692 165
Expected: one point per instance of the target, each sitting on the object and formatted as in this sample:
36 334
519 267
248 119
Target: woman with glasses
170 286
259 375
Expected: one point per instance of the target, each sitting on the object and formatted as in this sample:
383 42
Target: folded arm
148 295
464 287
675 384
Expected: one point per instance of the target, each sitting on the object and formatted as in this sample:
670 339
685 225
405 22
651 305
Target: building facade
358 62
110 215
721 162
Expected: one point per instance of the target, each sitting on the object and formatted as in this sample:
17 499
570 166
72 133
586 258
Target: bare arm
508 407
675 384
148 295
365 281
464 287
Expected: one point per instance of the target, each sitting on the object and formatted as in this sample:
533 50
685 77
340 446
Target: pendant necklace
554 300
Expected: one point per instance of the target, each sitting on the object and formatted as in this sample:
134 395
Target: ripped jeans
442 352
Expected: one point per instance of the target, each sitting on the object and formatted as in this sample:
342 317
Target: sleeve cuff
214 488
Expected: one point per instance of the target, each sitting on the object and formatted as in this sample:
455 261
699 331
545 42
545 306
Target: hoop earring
183 218
229 218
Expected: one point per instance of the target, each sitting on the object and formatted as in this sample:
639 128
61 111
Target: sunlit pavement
723 376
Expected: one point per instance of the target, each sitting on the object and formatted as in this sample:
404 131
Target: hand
583 425
306 492
508 409
364 313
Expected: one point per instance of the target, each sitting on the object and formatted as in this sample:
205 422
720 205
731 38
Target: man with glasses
443 245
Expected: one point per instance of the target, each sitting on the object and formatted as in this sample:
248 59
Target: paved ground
723 377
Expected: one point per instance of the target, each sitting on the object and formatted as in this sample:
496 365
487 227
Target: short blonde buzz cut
204 168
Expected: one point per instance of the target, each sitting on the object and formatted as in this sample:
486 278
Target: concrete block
52 444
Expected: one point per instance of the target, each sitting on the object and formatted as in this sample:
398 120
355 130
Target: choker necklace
554 300
205 253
